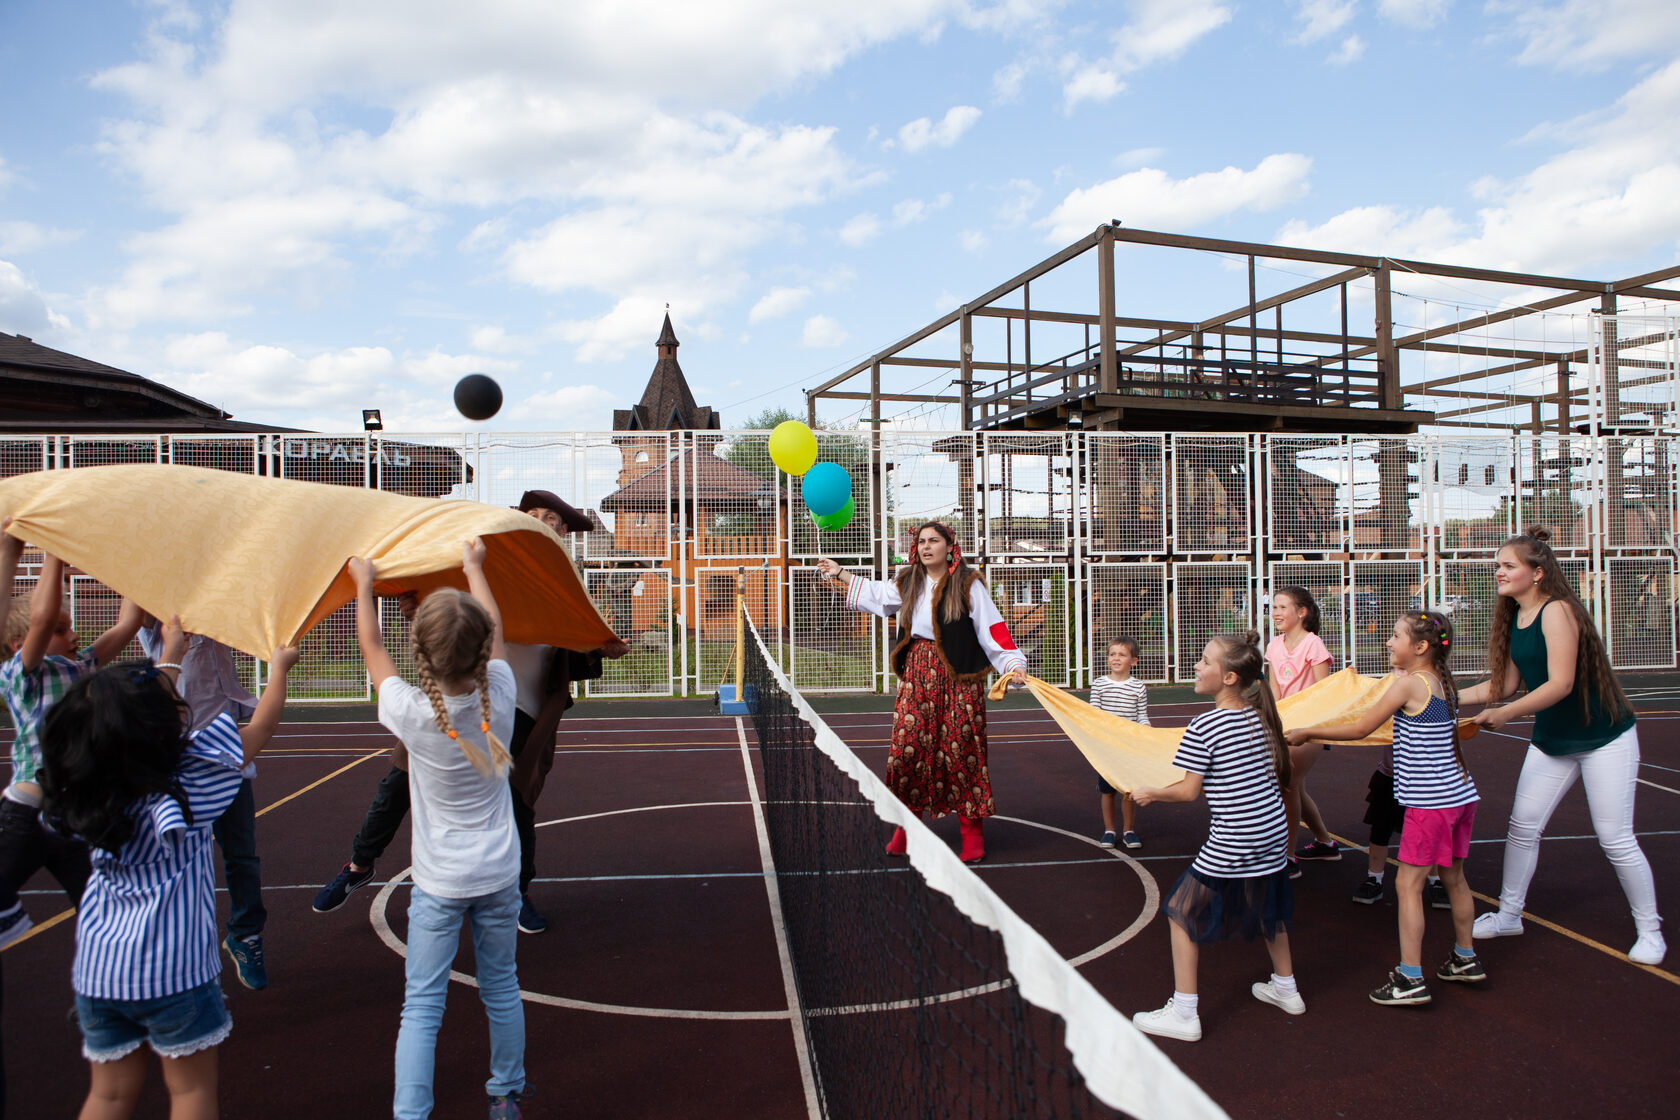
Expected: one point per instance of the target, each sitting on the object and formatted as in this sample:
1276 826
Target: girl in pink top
1296 658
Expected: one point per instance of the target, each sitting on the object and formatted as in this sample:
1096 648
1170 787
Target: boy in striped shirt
1119 694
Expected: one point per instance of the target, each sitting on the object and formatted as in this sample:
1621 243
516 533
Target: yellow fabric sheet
1130 754
256 562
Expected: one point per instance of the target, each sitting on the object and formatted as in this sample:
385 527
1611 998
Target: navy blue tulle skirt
1209 908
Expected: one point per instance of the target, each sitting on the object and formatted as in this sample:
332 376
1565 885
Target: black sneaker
1318 849
1368 892
530 918
1435 893
332 896
1401 990
247 954
1294 868
1463 970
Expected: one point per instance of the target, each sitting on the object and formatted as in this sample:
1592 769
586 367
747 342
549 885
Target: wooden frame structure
1232 371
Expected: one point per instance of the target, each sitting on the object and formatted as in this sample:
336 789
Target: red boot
973 839
897 846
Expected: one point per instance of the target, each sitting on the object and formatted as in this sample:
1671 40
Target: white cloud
777 302
1590 34
972 240
580 408
1150 198
23 310
860 229
6 176
1090 83
922 132
1138 157
822 332
1608 198
1161 30
1351 51
1321 19
1007 82
1414 13
19 238
913 210
1018 208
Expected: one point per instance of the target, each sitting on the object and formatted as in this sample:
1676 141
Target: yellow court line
1554 927
382 752
64 915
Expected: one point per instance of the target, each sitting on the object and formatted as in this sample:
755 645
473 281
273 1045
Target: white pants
1609 774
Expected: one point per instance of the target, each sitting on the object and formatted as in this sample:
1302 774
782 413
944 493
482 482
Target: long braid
429 685
500 760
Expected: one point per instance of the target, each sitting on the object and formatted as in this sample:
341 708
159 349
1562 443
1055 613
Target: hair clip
140 674
485 727
1445 642
453 734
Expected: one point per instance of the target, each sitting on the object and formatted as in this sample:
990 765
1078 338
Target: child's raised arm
266 719
380 667
44 604
472 560
11 551
1399 694
116 639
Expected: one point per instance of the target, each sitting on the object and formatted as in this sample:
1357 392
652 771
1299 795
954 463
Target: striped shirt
29 695
1128 699
1249 830
146 927
1426 774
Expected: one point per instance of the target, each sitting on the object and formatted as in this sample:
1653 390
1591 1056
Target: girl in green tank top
1543 640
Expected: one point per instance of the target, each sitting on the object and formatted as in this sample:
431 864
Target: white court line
807 1076
1654 785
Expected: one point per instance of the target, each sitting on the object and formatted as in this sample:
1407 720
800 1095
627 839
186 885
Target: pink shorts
1436 837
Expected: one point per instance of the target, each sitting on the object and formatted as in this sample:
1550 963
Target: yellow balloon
793 448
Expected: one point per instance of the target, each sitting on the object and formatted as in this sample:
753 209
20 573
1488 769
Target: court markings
1581 938
66 914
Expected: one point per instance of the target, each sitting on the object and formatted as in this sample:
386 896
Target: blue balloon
826 489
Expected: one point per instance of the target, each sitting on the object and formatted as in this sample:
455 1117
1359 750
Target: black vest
957 644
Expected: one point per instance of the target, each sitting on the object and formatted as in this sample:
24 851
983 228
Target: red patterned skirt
937 762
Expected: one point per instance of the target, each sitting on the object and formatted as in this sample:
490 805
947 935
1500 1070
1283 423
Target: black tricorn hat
574 521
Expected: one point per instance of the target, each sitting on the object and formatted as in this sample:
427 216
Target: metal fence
1083 537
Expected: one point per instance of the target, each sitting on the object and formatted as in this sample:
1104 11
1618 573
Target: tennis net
922 993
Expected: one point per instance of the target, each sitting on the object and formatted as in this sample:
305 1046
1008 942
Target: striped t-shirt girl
1128 699
146 927
1249 830
1426 772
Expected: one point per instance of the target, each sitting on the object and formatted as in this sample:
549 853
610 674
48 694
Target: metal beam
1266 304
915 398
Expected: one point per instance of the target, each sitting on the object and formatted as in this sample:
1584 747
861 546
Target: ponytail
1240 654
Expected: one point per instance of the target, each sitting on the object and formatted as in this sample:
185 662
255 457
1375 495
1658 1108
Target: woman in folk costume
950 635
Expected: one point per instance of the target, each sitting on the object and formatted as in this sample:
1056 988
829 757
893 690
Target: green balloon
839 519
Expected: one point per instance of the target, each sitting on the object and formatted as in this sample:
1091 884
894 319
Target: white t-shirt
464 841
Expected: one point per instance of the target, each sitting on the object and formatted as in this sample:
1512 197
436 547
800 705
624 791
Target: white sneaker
1496 923
1166 1023
1649 949
1266 992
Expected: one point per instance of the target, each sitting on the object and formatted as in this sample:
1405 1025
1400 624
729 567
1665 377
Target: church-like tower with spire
667 405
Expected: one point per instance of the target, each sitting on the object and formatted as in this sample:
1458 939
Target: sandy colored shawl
256 562
1130 754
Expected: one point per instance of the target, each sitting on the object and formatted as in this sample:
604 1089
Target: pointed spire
667 339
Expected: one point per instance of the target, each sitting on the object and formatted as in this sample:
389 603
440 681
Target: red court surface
657 991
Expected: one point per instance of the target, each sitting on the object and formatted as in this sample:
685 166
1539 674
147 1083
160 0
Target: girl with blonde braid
466 851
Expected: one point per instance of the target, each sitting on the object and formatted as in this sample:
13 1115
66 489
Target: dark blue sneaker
332 896
507 1107
247 954
530 919
14 923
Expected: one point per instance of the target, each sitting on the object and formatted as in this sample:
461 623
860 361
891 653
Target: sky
297 209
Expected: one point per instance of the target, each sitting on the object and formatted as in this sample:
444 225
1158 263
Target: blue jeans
434 934
236 835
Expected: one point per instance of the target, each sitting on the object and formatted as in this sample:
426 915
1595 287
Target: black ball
477 396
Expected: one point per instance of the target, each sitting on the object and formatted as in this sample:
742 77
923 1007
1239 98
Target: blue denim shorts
175 1026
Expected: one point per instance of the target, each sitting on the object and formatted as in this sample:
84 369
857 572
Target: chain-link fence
1082 537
